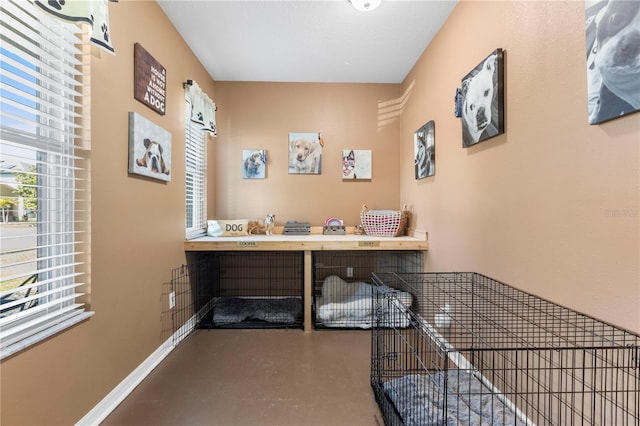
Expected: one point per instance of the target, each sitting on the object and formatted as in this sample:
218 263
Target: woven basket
384 223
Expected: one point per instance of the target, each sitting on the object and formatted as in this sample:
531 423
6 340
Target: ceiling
307 40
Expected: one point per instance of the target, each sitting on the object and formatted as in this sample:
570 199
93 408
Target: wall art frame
149 148
254 164
149 80
305 153
483 100
424 149
356 164
613 76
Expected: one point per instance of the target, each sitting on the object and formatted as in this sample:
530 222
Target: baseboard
120 392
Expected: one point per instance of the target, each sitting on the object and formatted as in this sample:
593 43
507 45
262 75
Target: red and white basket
384 223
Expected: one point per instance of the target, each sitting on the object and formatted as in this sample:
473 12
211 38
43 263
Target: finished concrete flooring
258 377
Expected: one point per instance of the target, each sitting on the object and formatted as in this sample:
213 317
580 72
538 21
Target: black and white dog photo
424 151
613 58
483 100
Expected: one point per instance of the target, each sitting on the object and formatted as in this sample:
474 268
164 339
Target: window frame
45 60
195 177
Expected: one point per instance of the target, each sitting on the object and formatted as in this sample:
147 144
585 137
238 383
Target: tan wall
552 205
137 236
534 207
349 116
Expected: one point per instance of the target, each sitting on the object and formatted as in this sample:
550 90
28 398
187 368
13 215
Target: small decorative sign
150 80
369 243
247 244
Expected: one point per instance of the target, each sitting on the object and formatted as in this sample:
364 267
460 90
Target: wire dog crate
343 294
255 290
189 298
480 352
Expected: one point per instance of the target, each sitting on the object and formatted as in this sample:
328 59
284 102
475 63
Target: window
196 188
44 190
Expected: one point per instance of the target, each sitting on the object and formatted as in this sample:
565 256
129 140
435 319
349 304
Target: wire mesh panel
189 297
481 352
256 290
343 295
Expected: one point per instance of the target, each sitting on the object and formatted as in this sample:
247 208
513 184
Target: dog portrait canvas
149 148
254 163
613 58
424 148
305 153
356 164
483 100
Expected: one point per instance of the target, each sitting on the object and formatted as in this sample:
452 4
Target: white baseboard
120 392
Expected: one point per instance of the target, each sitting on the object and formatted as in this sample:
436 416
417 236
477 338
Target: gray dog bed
420 400
233 310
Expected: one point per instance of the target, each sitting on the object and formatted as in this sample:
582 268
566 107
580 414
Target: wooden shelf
311 242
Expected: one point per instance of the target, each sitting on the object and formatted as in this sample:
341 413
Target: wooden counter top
312 242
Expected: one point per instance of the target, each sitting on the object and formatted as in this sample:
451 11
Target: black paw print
56 4
105 32
200 116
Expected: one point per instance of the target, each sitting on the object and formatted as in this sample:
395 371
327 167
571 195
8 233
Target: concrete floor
258 377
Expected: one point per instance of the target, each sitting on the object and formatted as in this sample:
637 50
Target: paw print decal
105 32
56 4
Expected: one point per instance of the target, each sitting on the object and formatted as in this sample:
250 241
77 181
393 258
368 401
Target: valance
203 109
93 12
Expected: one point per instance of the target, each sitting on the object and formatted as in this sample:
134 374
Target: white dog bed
350 305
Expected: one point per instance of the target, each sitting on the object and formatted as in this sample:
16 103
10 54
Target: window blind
195 180
43 176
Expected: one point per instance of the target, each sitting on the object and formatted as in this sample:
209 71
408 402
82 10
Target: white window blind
196 175
42 169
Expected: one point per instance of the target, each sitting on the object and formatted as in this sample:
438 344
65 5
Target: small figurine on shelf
358 230
263 226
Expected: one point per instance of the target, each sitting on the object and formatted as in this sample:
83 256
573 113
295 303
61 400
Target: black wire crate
343 292
255 290
481 352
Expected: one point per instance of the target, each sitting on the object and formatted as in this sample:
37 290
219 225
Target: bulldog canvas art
483 100
149 148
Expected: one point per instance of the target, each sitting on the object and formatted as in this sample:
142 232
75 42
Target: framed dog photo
149 148
254 163
613 67
482 95
356 164
305 153
424 148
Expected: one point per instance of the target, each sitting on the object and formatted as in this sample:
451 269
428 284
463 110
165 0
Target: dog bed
350 305
233 310
420 400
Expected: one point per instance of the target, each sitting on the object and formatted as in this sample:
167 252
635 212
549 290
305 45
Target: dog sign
150 80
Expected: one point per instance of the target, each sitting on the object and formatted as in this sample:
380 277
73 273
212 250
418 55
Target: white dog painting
613 58
149 148
254 163
483 100
305 153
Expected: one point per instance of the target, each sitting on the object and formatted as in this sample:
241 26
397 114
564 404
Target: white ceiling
307 40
